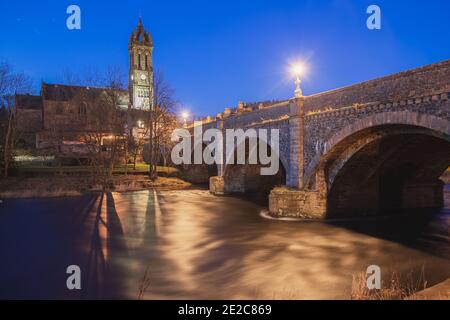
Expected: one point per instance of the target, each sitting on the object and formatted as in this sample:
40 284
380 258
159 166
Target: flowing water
190 244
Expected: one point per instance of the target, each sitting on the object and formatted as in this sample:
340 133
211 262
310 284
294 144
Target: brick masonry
322 132
297 204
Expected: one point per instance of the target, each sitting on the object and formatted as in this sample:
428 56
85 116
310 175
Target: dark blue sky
215 53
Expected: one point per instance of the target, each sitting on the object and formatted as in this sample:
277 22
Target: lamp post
298 70
184 116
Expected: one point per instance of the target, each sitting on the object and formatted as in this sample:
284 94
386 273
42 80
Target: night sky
215 53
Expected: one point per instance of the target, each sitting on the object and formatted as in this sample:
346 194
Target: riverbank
441 291
48 184
73 185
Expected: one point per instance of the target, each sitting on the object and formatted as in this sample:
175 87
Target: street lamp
184 116
298 69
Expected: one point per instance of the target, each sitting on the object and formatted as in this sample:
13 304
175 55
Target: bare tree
163 143
161 120
139 136
11 83
105 132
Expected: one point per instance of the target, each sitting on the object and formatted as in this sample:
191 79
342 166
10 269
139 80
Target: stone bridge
377 146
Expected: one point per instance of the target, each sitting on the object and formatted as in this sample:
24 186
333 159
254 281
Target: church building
58 107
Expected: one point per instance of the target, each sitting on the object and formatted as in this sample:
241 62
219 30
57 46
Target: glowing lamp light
298 69
185 116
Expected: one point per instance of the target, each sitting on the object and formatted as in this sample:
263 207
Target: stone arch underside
240 178
436 124
383 163
199 173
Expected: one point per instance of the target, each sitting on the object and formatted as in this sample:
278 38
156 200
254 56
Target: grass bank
47 182
140 168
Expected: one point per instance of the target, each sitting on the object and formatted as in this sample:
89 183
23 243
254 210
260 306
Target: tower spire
140 82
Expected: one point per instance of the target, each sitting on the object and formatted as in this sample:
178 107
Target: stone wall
257 117
63 115
273 117
415 92
424 195
297 204
428 80
325 130
29 122
217 185
199 173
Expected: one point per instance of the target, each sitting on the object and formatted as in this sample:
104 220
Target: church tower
140 82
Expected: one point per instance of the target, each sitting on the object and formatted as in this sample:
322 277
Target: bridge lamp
184 116
298 69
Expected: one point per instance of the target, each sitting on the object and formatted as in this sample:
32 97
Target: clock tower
140 82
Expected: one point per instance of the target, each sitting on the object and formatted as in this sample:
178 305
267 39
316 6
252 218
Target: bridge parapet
377 106
428 80
262 116
266 115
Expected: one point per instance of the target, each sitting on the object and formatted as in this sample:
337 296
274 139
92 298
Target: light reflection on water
196 245
220 247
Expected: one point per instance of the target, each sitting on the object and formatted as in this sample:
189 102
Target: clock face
143 77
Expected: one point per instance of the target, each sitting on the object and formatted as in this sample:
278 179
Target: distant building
58 107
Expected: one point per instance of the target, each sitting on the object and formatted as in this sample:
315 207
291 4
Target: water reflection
200 246
196 245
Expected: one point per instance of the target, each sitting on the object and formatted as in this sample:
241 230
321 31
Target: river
192 245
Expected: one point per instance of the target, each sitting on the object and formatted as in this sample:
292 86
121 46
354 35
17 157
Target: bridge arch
240 178
386 161
199 173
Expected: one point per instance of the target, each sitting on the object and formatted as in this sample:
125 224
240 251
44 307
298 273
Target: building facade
66 109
